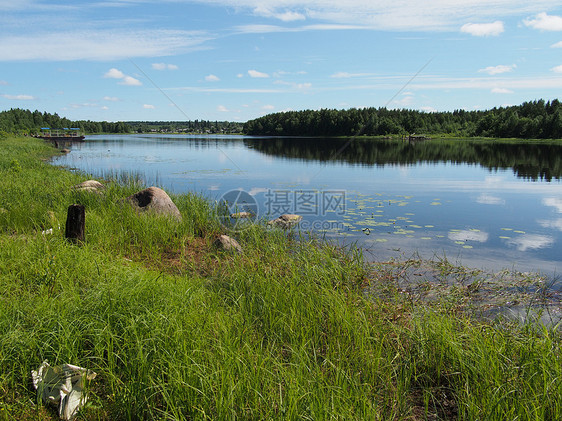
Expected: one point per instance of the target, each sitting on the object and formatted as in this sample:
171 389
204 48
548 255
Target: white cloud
468 235
222 109
18 97
557 45
557 69
346 75
285 16
3 83
531 241
428 109
114 74
148 107
496 70
239 75
256 74
105 107
130 81
164 66
545 22
501 91
101 44
110 98
212 78
483 29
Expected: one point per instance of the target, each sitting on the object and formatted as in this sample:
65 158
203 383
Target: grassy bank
177 329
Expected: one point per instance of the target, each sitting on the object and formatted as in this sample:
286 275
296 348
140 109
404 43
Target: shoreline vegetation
538 119
291 328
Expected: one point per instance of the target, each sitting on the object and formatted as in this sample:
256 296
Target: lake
485 204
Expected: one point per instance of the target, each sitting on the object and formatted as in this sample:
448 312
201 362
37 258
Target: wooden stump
75 223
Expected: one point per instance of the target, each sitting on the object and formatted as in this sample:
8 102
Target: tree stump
75 223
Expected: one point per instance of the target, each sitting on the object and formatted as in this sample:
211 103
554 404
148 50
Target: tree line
195 126
21 121
537 119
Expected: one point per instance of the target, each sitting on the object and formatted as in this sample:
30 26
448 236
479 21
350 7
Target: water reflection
530 160
485 204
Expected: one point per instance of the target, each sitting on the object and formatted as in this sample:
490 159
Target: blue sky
240 59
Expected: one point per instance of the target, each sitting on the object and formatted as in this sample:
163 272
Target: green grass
177 329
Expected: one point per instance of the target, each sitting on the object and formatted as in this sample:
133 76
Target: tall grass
177 329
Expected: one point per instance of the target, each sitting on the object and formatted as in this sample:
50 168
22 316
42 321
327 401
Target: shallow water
491 205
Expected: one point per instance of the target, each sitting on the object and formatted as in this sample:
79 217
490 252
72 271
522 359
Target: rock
65 150
155 200
286 221
240 215
89 186
224 242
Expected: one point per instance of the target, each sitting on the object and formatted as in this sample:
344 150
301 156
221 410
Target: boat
66 134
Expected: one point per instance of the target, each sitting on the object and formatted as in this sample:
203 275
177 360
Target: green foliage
176 329
535 119
195 126
25 121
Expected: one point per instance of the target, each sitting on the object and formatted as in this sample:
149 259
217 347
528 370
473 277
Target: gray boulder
286 221
224 242
89 186
156 200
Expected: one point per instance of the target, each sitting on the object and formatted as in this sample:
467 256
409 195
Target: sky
235 60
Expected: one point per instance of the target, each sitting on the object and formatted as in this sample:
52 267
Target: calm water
484 204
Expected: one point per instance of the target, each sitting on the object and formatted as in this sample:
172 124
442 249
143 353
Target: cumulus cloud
130 81
545 22
222 109
557 45
557 69
114 73
164 66
496 70
483 29
148 107
110 98
256 74
268 107
212 78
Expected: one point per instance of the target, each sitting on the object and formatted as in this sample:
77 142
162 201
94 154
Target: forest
537 119
20 121
195 126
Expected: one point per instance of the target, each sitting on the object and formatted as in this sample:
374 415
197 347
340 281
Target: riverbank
177 329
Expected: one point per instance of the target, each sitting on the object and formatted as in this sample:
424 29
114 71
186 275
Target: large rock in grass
224 242
89 186
156 200
286 221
